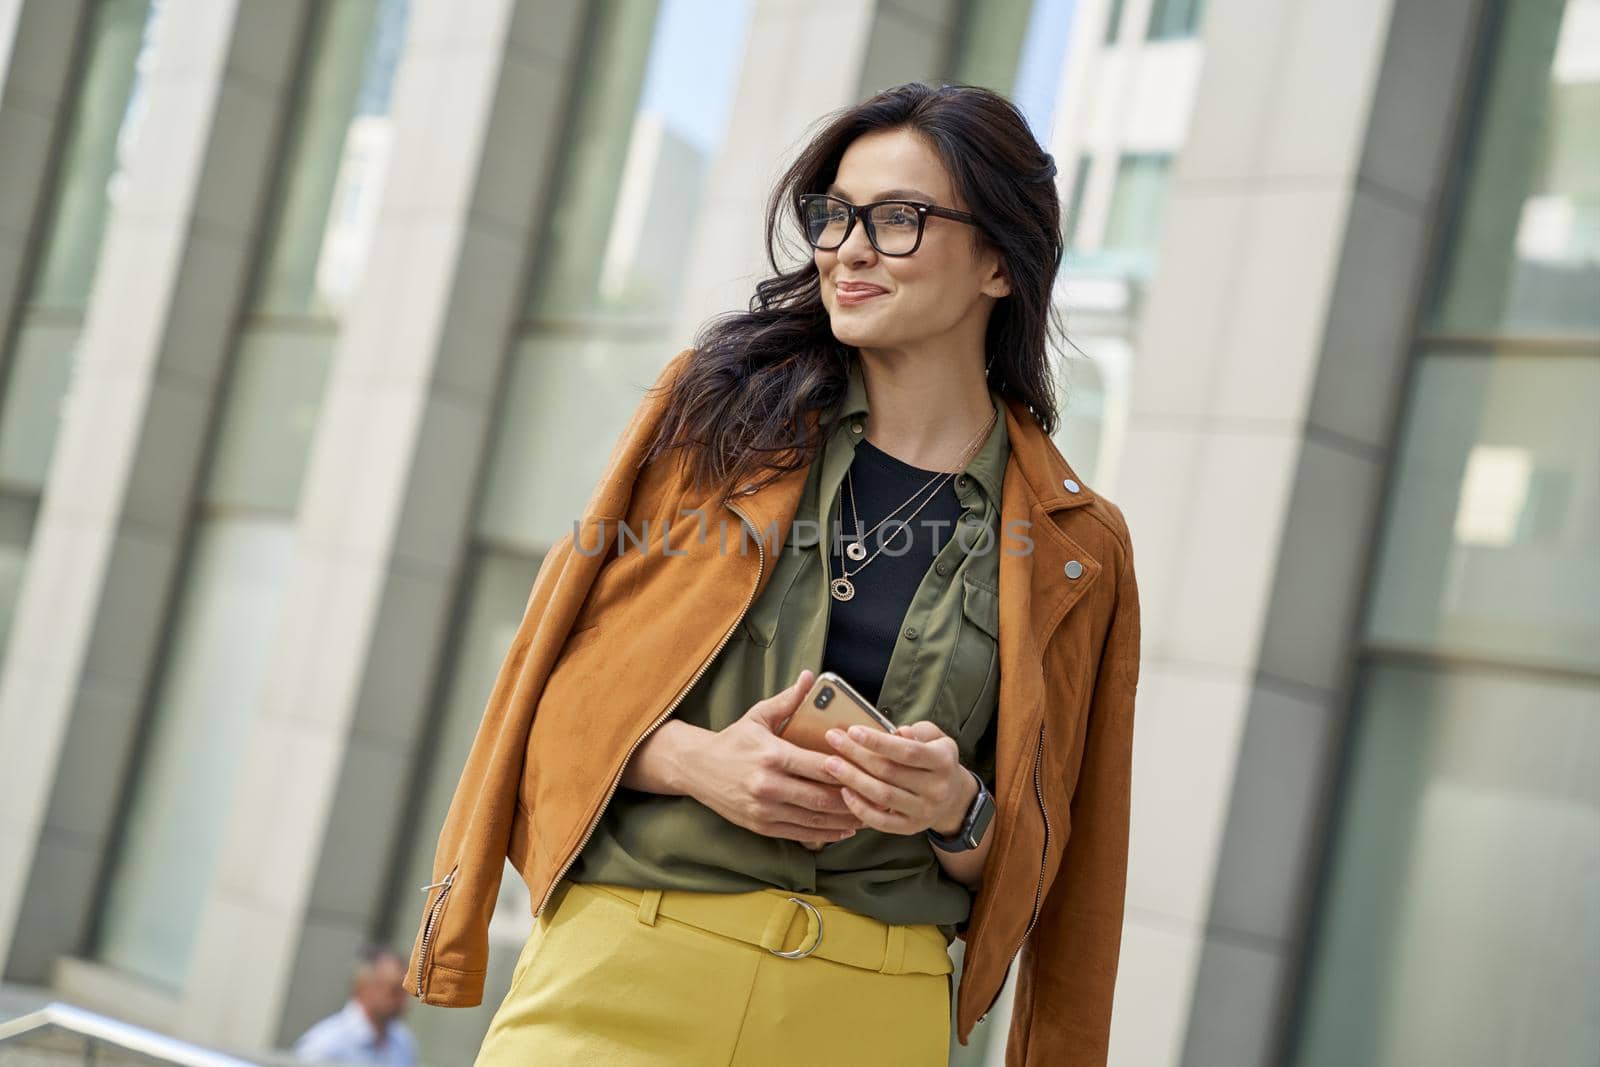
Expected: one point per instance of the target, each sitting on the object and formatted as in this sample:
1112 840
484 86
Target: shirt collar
357 1020
987 467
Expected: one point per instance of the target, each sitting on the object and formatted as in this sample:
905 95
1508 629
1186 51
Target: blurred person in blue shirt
368 1028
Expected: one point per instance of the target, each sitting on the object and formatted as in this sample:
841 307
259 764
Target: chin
851 334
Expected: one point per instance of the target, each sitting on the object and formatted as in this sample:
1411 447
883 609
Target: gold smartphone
831 702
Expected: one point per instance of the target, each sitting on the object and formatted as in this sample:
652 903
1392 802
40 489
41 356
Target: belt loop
778 920
649 904
894 951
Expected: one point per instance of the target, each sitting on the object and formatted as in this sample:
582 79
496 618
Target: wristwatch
972 826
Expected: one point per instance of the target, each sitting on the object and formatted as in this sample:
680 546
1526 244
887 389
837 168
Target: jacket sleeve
473 841
449 957
1061 1011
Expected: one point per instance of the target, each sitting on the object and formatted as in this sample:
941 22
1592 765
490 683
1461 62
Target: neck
380 1027
925 409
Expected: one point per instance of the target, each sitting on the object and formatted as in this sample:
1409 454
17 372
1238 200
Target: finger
878 818
774 709
803 796
815 822
806 835
885 794
904 750
924 730
809 764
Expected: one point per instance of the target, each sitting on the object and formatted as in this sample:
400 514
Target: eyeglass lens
893 228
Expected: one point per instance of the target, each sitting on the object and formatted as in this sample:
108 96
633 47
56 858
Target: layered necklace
842 587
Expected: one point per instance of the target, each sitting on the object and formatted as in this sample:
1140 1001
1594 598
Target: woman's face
936 289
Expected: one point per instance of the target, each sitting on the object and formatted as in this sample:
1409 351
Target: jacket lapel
1036 591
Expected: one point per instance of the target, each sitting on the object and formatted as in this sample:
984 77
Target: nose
856 247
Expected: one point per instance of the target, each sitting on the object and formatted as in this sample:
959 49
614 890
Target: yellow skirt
615 975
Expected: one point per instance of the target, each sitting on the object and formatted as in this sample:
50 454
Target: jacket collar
1033 455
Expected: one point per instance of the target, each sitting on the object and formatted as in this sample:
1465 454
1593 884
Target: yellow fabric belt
806 924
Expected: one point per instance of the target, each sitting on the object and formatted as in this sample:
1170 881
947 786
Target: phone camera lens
824 696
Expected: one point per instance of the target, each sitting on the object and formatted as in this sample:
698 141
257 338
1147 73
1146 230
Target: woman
707 891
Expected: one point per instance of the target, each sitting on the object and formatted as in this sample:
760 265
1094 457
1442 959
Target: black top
862 630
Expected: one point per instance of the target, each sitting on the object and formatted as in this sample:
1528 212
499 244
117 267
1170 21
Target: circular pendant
855 550
841 589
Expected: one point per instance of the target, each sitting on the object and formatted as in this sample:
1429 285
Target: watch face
983 811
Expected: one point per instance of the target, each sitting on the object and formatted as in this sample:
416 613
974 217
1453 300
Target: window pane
1525 253
1461 925
1133 224
538 482
1175 18
1492 546
650 116
1113 21
337 160
217 662
100 133
1080 182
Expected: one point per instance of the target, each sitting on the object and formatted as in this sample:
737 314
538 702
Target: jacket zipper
428 927
573 858
1038 891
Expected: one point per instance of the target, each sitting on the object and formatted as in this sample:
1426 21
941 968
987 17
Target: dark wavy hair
743 405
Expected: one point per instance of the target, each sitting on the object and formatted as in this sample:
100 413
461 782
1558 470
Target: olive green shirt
944 667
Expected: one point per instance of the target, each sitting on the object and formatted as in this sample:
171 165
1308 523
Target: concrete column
385 518
1272 357
94 601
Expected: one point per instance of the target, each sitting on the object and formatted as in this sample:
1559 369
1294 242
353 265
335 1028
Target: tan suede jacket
564 717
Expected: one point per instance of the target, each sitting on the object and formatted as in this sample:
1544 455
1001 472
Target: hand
756 779
904 782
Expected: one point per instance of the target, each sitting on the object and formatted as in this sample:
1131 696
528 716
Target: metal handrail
121 1034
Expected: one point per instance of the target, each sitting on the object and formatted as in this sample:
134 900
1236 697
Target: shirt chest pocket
799 557
966 701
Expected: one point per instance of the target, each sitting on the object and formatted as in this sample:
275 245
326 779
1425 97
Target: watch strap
962 841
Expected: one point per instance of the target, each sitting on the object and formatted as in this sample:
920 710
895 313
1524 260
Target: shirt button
855 427
911 633
1073 568
942 567
961 480
1072 486
888 712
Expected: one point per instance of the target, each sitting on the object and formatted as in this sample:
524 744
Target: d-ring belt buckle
799 953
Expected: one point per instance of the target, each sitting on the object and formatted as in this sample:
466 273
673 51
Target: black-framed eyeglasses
894 227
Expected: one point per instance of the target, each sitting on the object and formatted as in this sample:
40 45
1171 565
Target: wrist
664 763
950 825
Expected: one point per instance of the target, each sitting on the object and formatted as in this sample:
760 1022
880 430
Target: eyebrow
887 194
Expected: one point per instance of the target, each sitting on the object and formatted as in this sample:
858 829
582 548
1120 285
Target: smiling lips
854 293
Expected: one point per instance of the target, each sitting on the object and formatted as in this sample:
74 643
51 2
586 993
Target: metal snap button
1073 568
1072 486
855 427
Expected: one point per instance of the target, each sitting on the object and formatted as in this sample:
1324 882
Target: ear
997 285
